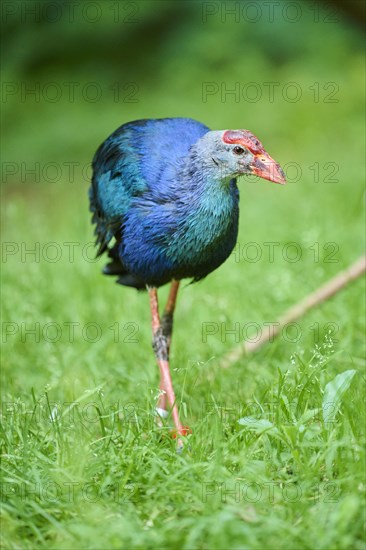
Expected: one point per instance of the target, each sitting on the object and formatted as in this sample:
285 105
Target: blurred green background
93 66
293 74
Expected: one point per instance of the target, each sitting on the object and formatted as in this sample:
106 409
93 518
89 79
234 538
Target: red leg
160 346
167 328
167 319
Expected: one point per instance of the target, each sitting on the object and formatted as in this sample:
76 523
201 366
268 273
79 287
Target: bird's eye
238 150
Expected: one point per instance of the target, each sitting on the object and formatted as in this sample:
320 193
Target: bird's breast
205 237
180 239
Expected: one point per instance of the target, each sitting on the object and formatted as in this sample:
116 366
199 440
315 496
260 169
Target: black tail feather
116 268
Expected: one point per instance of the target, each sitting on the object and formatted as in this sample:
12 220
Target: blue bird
165 202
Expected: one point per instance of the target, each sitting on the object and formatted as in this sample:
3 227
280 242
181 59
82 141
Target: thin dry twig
298 310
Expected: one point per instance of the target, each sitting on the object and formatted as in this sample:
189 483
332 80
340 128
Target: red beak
265 167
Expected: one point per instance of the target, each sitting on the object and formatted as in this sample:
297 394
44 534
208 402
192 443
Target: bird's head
233 153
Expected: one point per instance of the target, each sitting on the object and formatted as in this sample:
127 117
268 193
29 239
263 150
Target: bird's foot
184 430
180 435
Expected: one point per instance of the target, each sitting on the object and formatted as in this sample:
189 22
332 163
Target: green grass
117 483
101 474
83 464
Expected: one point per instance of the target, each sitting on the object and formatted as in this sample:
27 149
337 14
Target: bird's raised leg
161 350
167 318
167 328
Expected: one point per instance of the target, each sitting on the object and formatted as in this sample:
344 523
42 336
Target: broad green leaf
258 425
333 394
311 414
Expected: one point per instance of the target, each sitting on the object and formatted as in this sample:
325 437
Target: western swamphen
166 205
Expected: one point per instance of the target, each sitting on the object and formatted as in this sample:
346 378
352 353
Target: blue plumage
172 215
166 207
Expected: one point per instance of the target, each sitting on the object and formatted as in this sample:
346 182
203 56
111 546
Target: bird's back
139 156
